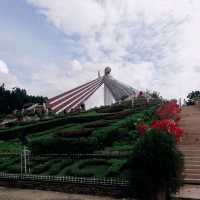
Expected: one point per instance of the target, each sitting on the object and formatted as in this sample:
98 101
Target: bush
97 124
15 132
56 168
116 167
110 109
84 132
155 165
119 115
38 169
62 145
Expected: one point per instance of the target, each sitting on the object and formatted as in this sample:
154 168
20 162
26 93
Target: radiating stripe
63 94
74 96
68 95
57 108
80 99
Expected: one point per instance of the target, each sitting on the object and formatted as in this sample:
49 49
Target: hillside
95 143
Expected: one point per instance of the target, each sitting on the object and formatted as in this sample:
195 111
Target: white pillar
108 98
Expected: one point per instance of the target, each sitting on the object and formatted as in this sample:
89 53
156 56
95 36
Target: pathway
26 194
190 146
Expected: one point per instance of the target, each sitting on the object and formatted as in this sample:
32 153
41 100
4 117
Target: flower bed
168 115
156 164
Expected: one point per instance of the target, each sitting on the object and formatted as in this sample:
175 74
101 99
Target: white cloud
3 67
148 45
6 77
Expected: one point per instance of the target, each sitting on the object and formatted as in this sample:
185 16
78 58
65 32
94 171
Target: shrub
97 124
169 126
110 109
42 167
62 145
119 115
44 125
56 168
169 110
116 167
84 132
155 165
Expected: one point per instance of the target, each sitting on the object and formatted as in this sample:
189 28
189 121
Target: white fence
66 179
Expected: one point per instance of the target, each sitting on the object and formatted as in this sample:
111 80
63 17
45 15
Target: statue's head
107 70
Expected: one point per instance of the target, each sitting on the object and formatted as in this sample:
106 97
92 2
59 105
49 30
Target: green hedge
83 132
44 125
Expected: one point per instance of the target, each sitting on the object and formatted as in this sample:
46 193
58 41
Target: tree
192 96
15 99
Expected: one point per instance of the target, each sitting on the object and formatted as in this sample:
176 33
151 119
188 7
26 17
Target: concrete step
191 140
188 147
187 152
192 171
191 181
191 162
190 166
191 175
191 158
187 192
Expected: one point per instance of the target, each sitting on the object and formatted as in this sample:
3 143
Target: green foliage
116 167
192 96
15 99
155 164
43 167
62 145
15 132
97 124
10 164
55 169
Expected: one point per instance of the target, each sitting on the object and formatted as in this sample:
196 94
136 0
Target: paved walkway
190 146
25 194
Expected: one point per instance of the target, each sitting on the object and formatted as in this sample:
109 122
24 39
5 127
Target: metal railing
66 179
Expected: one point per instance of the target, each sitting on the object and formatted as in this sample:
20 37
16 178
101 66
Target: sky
49 46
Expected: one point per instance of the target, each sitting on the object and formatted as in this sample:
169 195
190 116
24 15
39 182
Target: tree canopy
194 95
11 100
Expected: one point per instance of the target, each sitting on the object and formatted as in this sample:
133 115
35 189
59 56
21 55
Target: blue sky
49 46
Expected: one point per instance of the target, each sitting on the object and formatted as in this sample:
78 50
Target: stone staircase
190 147
192 163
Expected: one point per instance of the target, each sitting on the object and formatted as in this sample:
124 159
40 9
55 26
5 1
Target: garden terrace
94 143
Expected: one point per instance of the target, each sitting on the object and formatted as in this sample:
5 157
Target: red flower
169 110
169 126
142 128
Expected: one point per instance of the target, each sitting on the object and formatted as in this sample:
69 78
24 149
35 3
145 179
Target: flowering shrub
156 166
168 114
162 126
169 110
169 126
142 128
